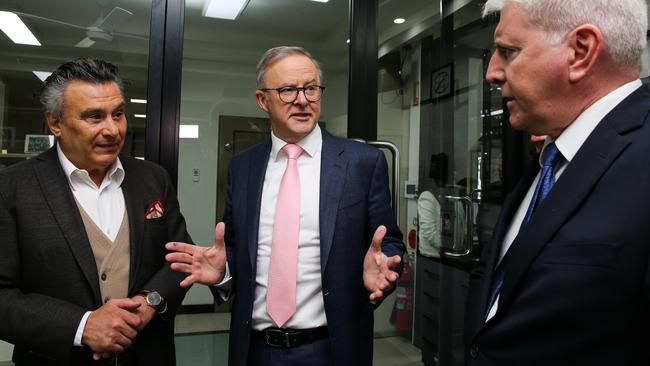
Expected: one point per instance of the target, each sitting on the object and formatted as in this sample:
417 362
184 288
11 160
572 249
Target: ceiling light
16 30
348 41
320 1
140 115
224 9
188 132
42 75
399 20
139 101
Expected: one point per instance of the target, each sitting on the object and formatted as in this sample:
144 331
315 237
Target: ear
54 124
586 44
262 101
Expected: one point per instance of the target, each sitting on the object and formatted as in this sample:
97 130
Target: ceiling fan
103 29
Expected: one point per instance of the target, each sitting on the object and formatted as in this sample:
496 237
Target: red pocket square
155 210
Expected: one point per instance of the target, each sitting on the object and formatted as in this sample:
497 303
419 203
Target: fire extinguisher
404 298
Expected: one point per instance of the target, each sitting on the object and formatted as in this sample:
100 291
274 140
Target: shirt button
473 352
103 276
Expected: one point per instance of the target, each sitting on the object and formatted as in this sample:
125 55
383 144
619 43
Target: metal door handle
395 165
469 219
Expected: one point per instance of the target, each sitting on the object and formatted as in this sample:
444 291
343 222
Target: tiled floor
202 340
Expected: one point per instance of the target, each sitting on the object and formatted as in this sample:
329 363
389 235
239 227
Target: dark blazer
577 277
354 201
48 275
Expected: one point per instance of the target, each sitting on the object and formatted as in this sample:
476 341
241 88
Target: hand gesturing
205 265
378 274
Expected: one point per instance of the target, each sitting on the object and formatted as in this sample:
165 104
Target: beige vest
113 258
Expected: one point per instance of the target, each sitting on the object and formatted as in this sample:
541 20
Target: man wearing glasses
309 244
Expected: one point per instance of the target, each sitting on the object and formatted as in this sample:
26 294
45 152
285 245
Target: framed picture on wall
442 81
38 143
7 137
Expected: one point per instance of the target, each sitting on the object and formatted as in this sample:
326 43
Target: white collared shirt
310 307
568 143
104 205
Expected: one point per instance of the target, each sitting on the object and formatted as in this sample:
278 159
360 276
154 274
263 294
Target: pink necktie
281 291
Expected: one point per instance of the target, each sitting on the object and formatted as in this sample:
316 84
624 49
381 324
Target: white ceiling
211 45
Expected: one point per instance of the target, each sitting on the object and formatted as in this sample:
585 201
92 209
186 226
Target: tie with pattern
550 157
281 291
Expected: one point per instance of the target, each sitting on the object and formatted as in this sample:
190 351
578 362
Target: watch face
154 299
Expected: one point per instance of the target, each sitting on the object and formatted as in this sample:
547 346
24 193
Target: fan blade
85 43
32 16
130 35
116 17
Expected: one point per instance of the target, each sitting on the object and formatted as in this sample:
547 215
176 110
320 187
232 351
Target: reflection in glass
65 30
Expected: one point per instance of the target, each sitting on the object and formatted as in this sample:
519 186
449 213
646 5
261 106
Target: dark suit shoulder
632 112
16 170
349 145
253 152
23 173
138 166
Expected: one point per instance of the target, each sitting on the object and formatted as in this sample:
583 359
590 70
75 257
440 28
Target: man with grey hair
309 244
566 277
83 279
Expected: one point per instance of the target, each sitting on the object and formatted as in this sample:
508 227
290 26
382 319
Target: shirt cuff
80 329
223 287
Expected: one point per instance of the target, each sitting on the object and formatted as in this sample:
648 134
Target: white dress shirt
568 143
104 204
429 225
310 307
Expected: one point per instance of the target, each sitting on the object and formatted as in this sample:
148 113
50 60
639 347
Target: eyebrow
91 111
292 85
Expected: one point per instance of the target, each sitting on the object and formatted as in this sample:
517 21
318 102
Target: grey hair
623 23
275 54
84 69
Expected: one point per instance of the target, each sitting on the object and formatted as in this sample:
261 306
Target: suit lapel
60 200
332 180
256 171
133 203
510 206
598 152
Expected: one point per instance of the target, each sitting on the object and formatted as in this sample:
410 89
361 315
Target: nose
301 99
111 127
495 73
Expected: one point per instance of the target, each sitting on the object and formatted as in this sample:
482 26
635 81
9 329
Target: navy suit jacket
577 278
48 274
354 201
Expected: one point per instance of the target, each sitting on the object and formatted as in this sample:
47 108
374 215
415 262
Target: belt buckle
284 338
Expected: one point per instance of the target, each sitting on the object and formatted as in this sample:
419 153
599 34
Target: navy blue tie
550 157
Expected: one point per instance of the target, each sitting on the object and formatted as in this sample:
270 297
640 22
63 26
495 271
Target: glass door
460 175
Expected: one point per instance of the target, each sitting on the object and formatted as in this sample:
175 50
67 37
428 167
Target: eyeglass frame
298 90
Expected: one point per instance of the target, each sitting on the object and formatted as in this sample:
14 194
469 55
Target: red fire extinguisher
404 298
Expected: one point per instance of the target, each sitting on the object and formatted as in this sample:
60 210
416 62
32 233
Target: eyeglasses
289 94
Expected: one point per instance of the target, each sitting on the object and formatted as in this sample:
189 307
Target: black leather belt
288 338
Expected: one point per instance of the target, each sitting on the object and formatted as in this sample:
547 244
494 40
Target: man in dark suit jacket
344 207
568 281
68 294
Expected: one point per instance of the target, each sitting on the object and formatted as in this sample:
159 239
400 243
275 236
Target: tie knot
551 155
293 151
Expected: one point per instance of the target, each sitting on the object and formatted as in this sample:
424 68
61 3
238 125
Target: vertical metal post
362 82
